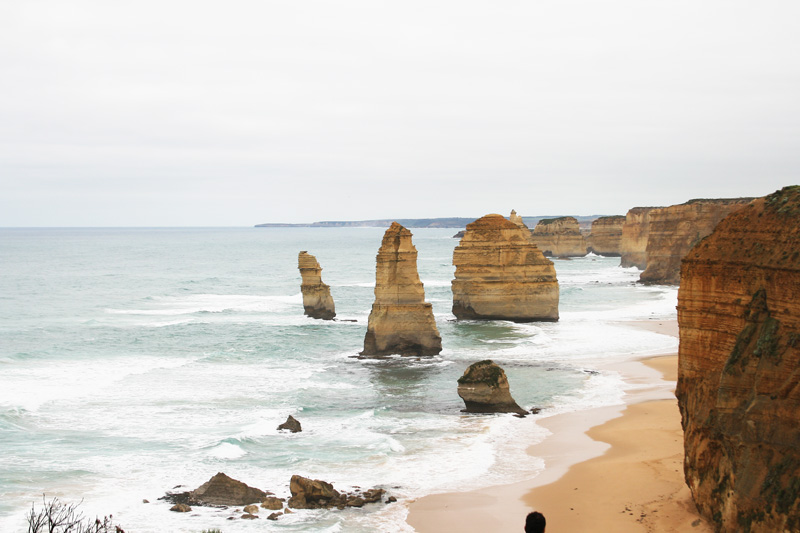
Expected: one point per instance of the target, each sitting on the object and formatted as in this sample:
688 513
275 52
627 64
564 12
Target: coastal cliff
633 243
317 299
739 319
674 230
560 237
401 322
606 236
501 275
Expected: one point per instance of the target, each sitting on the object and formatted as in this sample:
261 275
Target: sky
198 113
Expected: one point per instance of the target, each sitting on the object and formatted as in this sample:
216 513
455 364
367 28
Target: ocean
133 361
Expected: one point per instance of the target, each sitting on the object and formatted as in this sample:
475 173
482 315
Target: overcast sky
187 113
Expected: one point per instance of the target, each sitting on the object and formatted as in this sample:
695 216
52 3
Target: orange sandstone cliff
633 243
674 230
560 237
501 275
401 321
739 381
606 236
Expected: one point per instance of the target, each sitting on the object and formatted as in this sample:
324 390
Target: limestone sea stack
739 367
635 232
560 237
501 275
317 299
401 321
674 230
606 236
484 389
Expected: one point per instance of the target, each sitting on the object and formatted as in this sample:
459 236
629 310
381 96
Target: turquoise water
135 360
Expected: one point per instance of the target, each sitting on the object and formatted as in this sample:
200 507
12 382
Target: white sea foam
227 450
179 387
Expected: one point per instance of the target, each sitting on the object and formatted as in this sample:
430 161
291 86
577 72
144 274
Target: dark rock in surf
291 424
484 389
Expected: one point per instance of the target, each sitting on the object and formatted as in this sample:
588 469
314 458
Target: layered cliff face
606 236
738 392
560 237
674 230
317 299
401 322
633 243
501 275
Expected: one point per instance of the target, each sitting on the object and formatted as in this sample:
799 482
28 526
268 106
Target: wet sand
609 469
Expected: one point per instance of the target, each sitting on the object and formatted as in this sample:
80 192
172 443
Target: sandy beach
609 469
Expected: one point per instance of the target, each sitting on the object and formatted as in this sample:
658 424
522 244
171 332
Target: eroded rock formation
317 299
484 389
633 243
674 230
317 494
501 275
738 381
560 237
606 236
401 321
292 424
220 490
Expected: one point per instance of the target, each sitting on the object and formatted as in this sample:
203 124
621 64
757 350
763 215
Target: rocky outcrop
560 237
317 494
401 321
501 275
675 229
272 503
635 232
606 236
484 389
292 424
739 367
317 299
220 490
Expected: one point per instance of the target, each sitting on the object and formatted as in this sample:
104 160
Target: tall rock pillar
401 321
317 299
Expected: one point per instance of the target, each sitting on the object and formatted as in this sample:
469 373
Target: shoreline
637 444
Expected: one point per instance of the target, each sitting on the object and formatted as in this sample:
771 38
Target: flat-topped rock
606 236
635 233
501 275
560 237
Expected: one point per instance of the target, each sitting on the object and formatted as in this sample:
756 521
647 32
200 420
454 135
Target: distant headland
452 222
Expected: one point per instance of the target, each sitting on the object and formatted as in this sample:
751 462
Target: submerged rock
401 321
317 299
484 389
180 508
291 424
